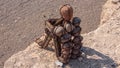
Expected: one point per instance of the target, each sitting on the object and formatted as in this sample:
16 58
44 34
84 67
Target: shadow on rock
94 59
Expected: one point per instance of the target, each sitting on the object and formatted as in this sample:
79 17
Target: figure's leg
40 40
65 52
46 41
76 50
57 46
43 41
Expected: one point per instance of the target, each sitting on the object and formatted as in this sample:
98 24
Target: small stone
83 55
67 49
68 26
66 52
76 21
64 56
76 31
76 46
59 30
66 45
63 60
65 38
77 40
58 63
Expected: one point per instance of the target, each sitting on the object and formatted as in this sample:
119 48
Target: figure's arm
48 35
52 25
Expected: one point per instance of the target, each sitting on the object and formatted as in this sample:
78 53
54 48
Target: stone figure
65 32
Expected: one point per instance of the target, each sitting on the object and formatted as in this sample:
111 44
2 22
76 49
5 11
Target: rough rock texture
21 21
102 47
108 10
32 57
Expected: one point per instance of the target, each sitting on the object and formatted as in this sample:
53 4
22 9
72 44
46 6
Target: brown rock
65 56
59 30
66 12
67 49
66 52
68 26
63 60
65 45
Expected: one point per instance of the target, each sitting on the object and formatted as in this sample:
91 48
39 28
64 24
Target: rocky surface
108 10
101 46
22 20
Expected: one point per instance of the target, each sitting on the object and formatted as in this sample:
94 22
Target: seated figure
65 32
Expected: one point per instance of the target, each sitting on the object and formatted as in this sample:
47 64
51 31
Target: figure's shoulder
59 21
54 21
76 21
51 21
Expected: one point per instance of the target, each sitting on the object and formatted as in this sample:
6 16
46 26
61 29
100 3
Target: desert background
21 21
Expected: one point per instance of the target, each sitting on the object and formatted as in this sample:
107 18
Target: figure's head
66 12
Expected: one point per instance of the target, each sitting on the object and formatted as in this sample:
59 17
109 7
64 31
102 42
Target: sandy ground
21 21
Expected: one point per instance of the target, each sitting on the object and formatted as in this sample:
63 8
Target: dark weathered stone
77 46
76 21
76 31
65 38
77 39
